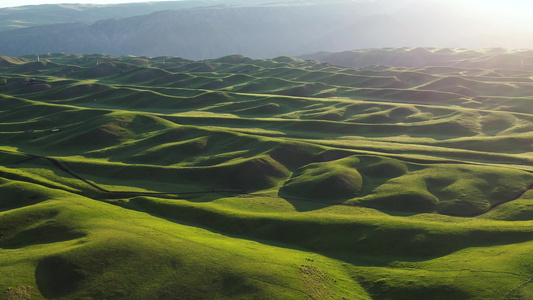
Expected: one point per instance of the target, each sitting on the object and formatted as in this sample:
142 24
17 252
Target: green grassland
233 178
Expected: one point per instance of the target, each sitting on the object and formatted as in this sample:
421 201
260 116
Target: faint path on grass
493 207
123 193
510 295
59 165
112 194
63 168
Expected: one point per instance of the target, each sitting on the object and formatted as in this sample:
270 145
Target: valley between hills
235 178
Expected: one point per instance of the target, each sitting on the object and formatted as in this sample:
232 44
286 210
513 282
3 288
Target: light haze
495 15
12 3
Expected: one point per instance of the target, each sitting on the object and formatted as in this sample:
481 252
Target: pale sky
10 3
507 5
518 11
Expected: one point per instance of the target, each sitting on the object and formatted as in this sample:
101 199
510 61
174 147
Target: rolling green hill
236 178
441 61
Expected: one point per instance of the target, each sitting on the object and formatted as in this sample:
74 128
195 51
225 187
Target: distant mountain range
35 15
260 28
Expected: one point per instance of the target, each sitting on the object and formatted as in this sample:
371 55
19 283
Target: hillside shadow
357 243
57 277
287 235
302 205
44 234
305 205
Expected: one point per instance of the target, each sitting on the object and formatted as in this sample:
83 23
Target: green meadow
237 178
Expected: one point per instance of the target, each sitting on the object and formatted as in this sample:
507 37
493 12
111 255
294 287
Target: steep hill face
76 37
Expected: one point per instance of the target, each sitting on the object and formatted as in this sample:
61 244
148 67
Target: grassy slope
73 247
239 178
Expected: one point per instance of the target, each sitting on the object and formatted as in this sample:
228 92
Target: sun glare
514 13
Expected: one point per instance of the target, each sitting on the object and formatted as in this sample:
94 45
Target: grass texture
233 178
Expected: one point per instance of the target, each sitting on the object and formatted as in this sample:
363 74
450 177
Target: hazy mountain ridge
36 15
195 33
255 30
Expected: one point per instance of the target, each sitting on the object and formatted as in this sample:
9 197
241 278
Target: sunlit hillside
236 178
